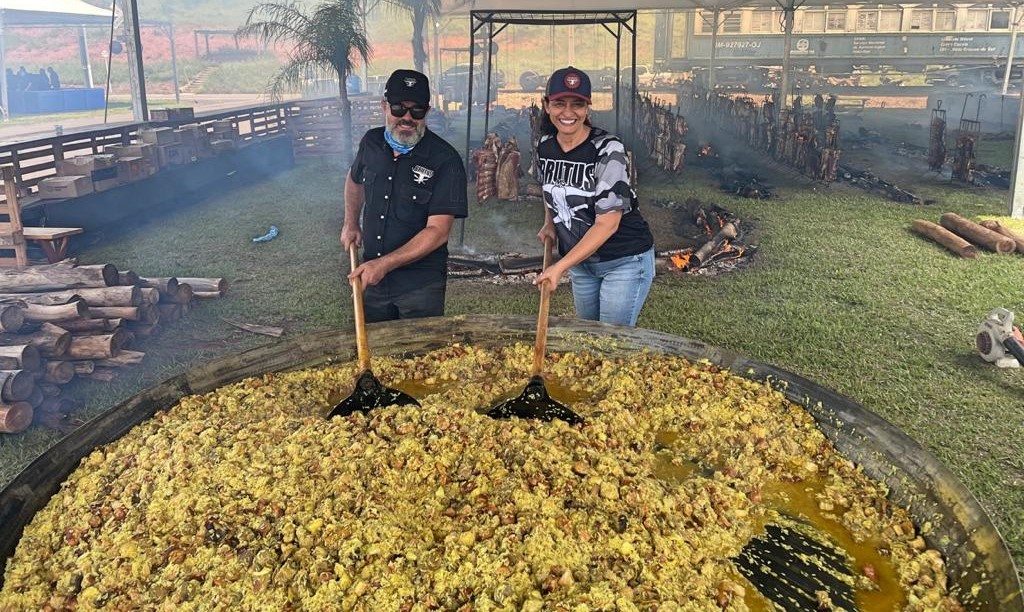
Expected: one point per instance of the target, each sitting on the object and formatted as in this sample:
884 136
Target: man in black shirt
410 186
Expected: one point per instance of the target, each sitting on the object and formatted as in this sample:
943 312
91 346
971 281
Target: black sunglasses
417 112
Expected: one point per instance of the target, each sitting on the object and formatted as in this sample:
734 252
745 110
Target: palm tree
419 10
328 39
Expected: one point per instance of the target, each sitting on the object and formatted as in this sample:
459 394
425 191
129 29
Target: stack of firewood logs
961 235
60 321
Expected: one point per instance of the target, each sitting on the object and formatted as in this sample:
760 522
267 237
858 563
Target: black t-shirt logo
421 174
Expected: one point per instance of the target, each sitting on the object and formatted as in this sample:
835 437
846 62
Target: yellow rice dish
248 499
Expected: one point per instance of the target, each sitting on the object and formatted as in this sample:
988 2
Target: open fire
717 241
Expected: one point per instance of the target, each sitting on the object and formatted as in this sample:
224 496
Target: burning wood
716 234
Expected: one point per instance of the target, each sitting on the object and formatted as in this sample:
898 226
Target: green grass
840 292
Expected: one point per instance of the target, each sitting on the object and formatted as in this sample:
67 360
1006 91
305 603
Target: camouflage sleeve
612 190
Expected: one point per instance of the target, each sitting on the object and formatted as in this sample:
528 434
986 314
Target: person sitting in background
38 81
54 79
21 79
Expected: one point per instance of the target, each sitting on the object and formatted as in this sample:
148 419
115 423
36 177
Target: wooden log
49 340
49 298
144 330
111 296
129 313
183 295
944 237
36 397
11 316
169 312
56 277
124 358
149 314
127 277
150 295
206 295
16 385
93 347
62 312
728 232
19 357
83 367
90 325
49 389
58 372
104 374
205 284
993 241
15 417
998 227
167 286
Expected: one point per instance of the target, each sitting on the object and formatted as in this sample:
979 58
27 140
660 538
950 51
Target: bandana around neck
399 148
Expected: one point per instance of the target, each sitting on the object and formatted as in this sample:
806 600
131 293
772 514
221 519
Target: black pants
381 304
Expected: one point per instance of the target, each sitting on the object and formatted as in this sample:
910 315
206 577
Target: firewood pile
62 321
963 236
497 167
717 237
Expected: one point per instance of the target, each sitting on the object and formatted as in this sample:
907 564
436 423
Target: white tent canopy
51 12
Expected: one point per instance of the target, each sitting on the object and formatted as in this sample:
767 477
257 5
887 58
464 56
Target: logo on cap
572 80
409 81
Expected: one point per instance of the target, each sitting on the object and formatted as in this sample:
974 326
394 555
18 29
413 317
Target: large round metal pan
975 553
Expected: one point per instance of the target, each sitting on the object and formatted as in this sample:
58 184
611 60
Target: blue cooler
94 98
74 99
50 101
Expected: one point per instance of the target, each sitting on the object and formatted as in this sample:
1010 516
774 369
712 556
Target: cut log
129 313
36 397
169 312
127 278
49 340
205 284
728 232
12 317
946 238
167 286
19 357
104 374
56 277
998 227
206 295
90 325
58 372
993 241
94 347
15 417
83 367
111 296
124 358
150 295
149 314
62 312
183 295
49 298
16 385
49 389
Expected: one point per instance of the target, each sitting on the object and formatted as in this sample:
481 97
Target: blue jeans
613 291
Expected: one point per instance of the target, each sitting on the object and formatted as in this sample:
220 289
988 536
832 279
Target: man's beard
406 138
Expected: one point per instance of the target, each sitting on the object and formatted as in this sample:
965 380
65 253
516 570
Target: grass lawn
840 292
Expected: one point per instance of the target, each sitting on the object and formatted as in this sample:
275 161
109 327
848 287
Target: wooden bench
53 240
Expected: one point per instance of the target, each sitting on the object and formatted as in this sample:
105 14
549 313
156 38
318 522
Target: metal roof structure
607 12
51 13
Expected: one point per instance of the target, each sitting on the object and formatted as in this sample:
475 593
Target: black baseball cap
407 86
568 82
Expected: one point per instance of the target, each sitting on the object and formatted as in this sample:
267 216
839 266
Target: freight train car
837 40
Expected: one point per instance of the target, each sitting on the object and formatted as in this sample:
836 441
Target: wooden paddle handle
540 345
362 344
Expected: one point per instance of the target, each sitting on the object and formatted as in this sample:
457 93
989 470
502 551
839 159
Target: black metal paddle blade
370 394
534 403
797 571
